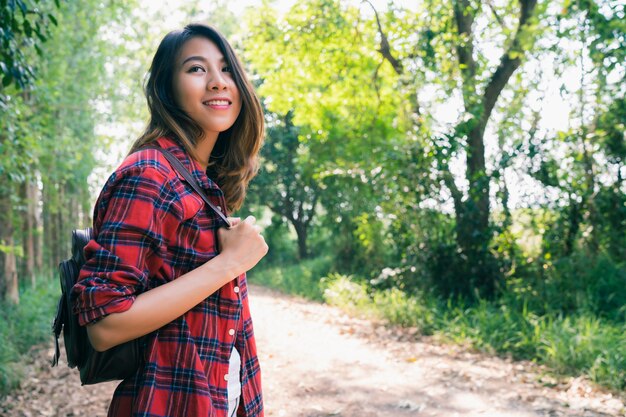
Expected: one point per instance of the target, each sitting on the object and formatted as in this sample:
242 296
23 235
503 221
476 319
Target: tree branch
398 67
385 49
508 65
457 195
465 46
495 14
309 215
276 208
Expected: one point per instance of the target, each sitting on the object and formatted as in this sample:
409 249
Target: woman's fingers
251 220
234 221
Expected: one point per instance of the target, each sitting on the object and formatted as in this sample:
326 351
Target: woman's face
204 86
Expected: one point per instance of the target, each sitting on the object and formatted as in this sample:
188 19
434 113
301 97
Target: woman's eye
195 69
227 69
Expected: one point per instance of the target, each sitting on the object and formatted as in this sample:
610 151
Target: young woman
154 268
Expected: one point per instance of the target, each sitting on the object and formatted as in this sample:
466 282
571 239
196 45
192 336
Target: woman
153 267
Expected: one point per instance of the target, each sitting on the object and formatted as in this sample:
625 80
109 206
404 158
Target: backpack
116 363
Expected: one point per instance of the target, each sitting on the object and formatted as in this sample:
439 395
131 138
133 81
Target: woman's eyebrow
199 58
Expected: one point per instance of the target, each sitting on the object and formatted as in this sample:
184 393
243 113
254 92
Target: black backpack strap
57 327
178 166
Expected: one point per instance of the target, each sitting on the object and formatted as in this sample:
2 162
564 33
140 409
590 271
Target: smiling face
204 86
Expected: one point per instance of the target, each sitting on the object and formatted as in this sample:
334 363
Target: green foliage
24 24
49 123
325 50
391 304
300 278
343 291
286 183
282 249
354 83
587 344
578 283
23 326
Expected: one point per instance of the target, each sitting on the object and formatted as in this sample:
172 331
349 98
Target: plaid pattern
150 227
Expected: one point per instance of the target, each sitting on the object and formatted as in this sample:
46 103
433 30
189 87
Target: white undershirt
234 369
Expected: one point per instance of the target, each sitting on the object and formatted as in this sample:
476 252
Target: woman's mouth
217 104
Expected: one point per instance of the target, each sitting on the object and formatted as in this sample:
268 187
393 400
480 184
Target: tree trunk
474 232
48 227
9 265
301 232
29 232
573 226
472 215
37 227
58 237
10 273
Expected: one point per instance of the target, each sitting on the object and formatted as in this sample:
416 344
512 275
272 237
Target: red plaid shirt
151 227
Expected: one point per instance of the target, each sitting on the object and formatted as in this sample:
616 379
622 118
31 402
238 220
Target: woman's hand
242 245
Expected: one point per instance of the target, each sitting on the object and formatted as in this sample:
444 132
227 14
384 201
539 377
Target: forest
454 167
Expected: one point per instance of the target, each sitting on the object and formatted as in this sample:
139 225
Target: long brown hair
234 158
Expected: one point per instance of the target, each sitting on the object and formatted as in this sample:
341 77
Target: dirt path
317 362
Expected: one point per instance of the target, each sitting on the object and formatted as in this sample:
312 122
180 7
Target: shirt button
236 289
219 208
231 332
226 377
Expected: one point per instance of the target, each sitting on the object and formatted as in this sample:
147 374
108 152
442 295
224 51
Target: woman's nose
217 81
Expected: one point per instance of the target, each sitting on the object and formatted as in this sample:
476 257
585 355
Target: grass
580 343
299 278
24 325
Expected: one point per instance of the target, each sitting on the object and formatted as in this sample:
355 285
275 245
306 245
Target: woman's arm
242 247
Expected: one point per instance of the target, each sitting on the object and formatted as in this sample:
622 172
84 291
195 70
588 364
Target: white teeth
216 103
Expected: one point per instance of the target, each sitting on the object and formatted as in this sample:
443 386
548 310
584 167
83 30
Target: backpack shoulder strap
80 238
180 168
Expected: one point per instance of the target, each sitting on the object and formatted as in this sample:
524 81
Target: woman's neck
204 147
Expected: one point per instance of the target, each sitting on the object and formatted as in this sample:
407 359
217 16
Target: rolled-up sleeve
128 243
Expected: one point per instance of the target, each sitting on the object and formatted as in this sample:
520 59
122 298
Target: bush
301 278
23 326
580 283
391 304
342 291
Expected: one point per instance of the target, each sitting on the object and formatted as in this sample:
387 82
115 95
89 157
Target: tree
48 140
315 68
333 71
24 26
286 184
588 172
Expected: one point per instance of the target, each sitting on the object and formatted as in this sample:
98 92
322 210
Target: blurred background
452 167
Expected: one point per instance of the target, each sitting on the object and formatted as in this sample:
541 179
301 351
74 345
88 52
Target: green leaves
23 25
320 61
